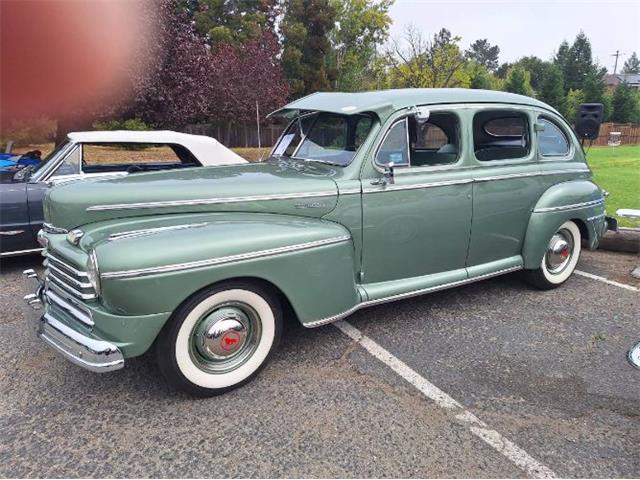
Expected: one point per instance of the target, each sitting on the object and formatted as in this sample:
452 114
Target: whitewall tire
220 338
560 258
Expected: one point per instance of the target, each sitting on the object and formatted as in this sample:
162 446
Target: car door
416 224
507 185
15 233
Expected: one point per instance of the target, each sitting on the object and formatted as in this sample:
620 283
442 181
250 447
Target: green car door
507 185
417 222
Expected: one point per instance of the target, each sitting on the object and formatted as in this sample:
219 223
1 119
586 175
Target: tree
632 65
576 61
435 63
571 104
551 90
537 69
593 86
361 25
306 47
625 104
484 53
518 81
232 21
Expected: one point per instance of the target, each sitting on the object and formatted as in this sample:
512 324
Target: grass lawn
617 170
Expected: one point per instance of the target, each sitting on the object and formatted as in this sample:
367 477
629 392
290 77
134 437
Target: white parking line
605 280
518 456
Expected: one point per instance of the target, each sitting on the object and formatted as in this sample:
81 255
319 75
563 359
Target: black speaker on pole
588 120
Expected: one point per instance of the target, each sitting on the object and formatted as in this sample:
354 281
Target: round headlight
93 272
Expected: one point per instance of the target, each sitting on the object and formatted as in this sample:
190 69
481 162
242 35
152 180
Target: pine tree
632 65
552 87
518 81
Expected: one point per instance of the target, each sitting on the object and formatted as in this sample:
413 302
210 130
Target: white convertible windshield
324 137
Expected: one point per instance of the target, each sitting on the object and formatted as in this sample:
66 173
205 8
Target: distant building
612 80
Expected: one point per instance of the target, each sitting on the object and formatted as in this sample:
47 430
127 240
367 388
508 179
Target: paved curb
624 240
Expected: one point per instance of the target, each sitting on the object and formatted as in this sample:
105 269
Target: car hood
300 188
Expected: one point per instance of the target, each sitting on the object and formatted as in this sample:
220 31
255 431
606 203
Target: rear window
501 135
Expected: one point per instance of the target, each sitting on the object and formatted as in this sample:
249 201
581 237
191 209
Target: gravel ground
545 369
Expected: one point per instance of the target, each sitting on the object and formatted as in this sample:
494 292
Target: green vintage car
366 198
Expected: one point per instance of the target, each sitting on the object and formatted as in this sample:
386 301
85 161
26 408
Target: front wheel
220 338
560 259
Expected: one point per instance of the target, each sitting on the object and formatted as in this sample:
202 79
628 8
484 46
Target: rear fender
579 200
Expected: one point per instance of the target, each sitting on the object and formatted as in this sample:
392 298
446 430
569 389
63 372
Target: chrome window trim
573 206
48 170
413 293
384 138
224 260
210 201
151 231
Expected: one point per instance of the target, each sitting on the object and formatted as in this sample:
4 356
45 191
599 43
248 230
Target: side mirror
421 114
588 120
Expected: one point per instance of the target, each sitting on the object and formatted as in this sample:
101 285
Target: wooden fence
630 133
247 135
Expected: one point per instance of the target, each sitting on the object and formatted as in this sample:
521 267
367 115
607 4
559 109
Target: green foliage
575 61
625 104
437 63
572 102
29 131
224 21
537 69
482 78
360 26
518 81
551 87
632 65
118 124
484 53
306 47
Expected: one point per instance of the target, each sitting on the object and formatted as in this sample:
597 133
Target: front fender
310 260
579 200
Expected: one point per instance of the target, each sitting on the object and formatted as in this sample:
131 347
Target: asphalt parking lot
545 371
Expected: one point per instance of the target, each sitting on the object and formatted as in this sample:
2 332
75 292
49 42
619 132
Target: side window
71 163
100 154
421 144
552 142
501 135
395 147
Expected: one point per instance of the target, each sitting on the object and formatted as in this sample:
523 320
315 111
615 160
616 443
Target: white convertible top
206 149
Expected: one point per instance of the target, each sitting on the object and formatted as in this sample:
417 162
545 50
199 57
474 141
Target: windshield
324 137
38 169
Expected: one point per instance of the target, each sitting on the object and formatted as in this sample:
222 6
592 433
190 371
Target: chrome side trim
595 217
574 206
47 227
209 201
15 253
11 233
67 306
528 174
568 170
417 186
350 191
224 260
151 231
402 296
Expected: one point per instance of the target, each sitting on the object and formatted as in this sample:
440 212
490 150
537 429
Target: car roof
385 102
206 149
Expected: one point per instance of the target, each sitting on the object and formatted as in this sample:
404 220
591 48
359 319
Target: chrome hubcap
559 251
225 338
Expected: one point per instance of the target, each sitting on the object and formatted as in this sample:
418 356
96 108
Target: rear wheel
560 258
220 338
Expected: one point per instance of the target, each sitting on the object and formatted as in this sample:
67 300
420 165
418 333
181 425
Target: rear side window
127 153
501 135
552 142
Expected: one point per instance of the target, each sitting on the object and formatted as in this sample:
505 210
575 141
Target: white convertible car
89 155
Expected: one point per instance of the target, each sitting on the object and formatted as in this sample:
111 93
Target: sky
526 27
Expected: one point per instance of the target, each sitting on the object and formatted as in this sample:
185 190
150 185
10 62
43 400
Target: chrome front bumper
88 352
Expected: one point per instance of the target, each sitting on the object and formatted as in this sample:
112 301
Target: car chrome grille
68 278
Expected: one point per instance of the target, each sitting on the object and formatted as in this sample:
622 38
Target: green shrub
116 124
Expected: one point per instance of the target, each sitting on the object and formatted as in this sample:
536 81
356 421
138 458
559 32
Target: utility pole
615 66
